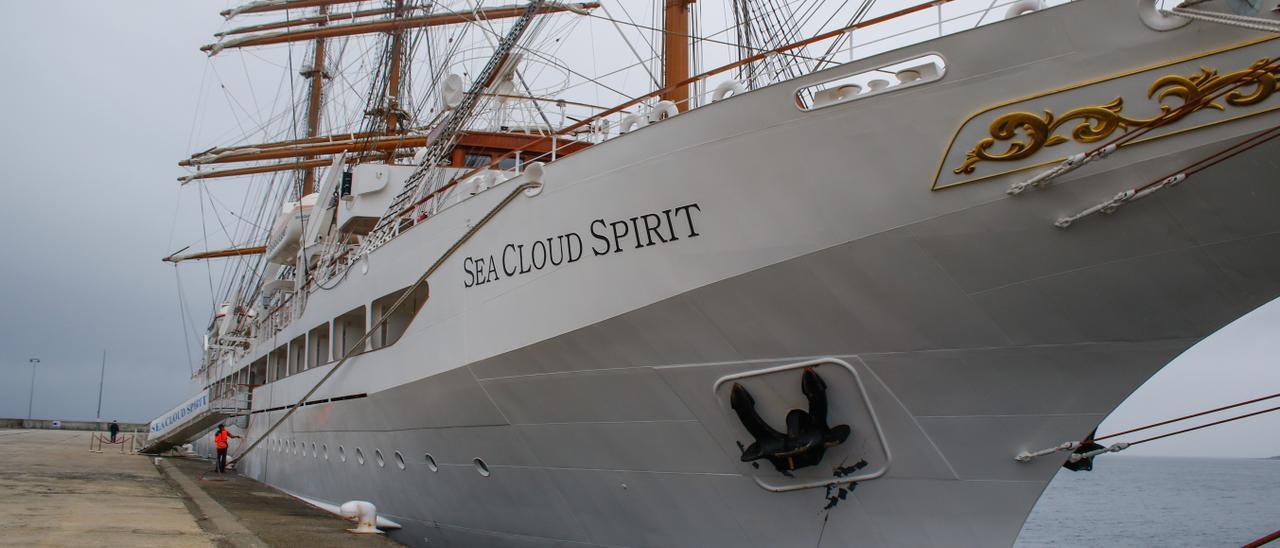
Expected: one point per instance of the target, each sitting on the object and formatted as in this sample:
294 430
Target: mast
313 108
675 52
393 79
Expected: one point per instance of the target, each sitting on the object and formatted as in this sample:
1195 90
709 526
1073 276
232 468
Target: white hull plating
977 328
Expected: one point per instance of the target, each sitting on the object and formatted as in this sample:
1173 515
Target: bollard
364 513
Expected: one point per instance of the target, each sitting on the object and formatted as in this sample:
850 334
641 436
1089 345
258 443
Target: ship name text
603 237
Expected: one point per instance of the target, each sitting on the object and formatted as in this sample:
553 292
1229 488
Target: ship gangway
194 418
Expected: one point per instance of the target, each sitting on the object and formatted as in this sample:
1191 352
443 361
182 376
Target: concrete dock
54 492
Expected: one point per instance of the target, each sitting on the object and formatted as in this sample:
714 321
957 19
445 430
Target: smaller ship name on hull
603 237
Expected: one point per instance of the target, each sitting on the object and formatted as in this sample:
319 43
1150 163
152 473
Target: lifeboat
286 234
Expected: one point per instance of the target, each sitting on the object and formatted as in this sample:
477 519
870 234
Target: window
472 159
279 362
390 331
347 329
509 163
318 346
297 353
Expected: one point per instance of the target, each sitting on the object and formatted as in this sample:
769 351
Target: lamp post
32 396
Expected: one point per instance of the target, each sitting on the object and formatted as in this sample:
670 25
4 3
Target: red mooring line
1191 416
1263 540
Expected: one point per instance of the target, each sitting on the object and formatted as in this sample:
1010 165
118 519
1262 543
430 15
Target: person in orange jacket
220 443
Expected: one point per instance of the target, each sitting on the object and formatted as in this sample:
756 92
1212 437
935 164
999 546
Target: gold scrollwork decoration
1027 133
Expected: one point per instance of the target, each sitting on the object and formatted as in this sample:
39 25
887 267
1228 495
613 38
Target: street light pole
101 377
32 395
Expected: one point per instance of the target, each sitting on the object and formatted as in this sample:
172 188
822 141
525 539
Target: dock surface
54 492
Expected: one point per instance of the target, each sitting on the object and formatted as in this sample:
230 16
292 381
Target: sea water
1158 501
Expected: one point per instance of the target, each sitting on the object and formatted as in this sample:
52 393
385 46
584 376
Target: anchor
807 437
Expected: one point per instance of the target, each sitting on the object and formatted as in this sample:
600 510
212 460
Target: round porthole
377 456
359 455
431 462
342 454
314 453
324 450
399 460
481 467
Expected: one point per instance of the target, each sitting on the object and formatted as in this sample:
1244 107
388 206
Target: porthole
431 462
314 454
481 467
377 456
342 454
399 460
324 450
359 455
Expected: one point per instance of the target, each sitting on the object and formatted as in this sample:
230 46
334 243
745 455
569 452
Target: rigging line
1203 426
694 38
232 103
195 117
1185 417
647 42
358 346
857 16
204 230
252 94
182 321
627 41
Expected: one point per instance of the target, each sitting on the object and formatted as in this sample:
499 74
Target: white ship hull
976 328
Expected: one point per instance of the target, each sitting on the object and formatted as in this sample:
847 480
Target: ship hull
590 393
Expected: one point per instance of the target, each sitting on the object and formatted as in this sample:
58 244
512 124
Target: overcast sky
98 103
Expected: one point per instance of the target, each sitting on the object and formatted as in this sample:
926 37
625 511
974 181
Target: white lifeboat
286 234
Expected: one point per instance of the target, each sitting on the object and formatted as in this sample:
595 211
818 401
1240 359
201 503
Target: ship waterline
580 401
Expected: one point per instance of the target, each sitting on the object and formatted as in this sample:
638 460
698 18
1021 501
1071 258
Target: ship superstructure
820 293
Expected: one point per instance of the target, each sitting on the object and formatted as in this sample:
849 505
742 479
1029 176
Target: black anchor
807 437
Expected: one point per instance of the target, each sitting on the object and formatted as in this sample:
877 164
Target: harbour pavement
54 492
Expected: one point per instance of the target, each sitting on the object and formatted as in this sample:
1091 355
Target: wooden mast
313 109
393 79
675 52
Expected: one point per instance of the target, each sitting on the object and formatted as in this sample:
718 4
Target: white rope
1252 23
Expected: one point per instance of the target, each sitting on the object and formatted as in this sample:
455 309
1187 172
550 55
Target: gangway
194 418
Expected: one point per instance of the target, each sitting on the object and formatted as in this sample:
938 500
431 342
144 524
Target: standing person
114 428
220 443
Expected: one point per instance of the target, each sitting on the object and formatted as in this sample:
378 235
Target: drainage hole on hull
377 455
399 460
359 455
431 462
342 454
481 467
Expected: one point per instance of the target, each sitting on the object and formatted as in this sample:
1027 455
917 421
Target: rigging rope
1185 417
358 346
1076 446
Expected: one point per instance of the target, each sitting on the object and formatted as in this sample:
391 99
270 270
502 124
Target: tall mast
313 109
675 51
393 80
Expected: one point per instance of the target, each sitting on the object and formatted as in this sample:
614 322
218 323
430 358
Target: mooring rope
1075 446
1185 417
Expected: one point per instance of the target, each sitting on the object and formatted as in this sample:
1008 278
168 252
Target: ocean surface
1158 501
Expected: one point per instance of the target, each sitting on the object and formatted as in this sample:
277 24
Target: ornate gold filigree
1029 133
